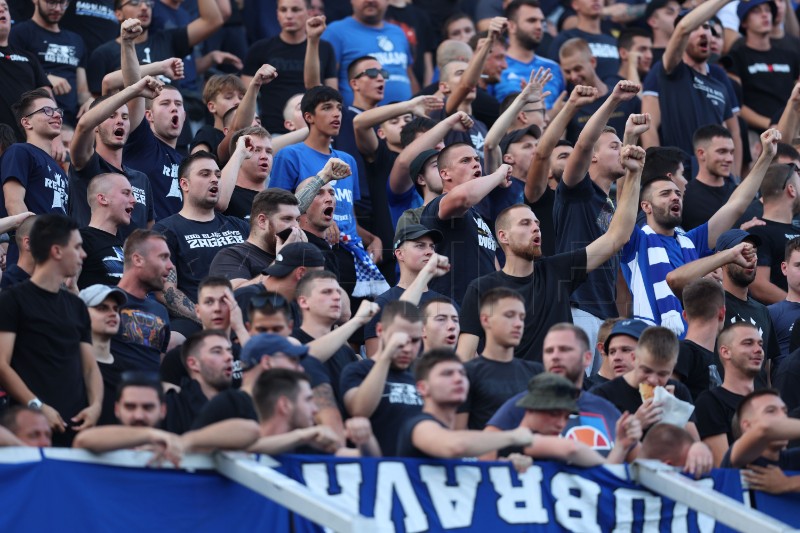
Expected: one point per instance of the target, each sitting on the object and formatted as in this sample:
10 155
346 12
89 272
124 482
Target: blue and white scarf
369 280
668 307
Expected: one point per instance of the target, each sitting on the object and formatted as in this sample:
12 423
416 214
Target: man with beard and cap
546 284
741 352
655 251
141 407
96 148
526 23
682 94
740 306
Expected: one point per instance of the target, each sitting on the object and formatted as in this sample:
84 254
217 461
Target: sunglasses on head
372 73
274 300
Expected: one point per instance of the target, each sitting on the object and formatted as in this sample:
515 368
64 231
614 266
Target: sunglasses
792 169
273 300
373 73
47 110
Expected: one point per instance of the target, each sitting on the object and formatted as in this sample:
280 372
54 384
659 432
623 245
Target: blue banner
407 495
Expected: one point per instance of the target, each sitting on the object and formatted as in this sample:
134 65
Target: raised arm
531 93
743 254
581 157
230 172
472 74
437 266
311 68
365 122
458 201
324 347
536 183
334 169
81 148
790 119
364 399
399 179
209 21
171 68
621 227
673 55
727 215
129 31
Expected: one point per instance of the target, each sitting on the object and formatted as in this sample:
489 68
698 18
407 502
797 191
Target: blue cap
269 344
631 327
734 236
745 6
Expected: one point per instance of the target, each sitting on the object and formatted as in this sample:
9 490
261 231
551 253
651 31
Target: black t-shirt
241 203
159 162
543 209
379 220
405 445
701 201
468 243
60 54
593 381
693 366
787 380
208 135
20 72
50 328
184 406
13 275
399 401
627 398
140 186
193 245
240 261
767 77
159 45
288 59
714 410
751 311
789 460
392 295
112 376
173 370
143 334
104 258
94 20
581 215
419 31
476 135
227 404
333 366
328 252
491 383
774 236
546 295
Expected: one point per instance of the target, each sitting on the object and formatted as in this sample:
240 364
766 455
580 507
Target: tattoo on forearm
323 397
176 300
306 195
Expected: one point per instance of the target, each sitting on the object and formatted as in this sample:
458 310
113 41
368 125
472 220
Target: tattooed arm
328 412
176 302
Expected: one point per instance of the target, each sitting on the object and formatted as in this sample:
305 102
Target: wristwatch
36 403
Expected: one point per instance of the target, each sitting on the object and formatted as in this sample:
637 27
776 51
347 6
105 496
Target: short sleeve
254 58
707 412
469 317
9 311
17 164
352 376
316 371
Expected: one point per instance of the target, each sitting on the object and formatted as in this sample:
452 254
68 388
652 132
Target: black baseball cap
412 232
295 255
732 237
416 166
517 135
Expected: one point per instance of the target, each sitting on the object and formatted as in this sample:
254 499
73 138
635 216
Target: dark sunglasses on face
372 73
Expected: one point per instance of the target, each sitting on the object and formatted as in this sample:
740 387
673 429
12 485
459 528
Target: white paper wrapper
676 412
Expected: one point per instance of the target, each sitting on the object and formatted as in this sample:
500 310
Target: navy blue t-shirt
405 444
159 161
581 215
143 334
46 184
468 243
616 120
60 54
79 184
193 245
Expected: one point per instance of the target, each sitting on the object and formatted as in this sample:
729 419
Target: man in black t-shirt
780 194
287 52
495 375
443 384
656 355
195 236
713 186
96 148
286 409
251 160
152 47
111 200
765 429
546 284
741 353
704 312
316 223
46 359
